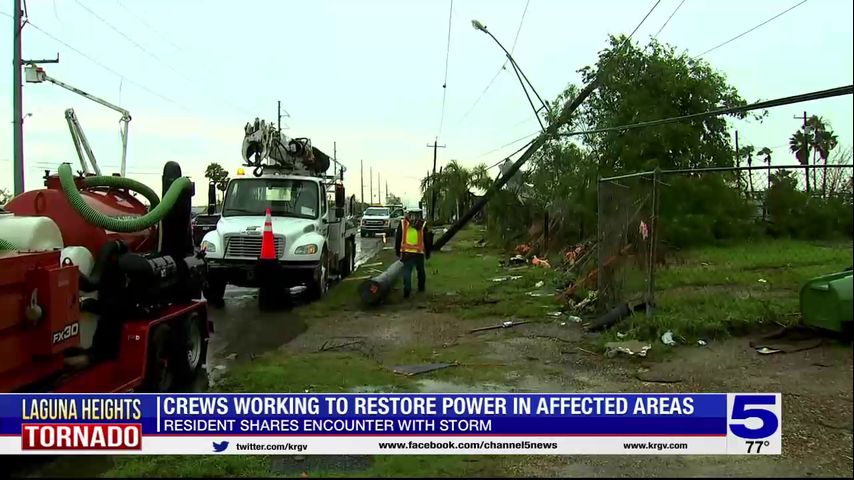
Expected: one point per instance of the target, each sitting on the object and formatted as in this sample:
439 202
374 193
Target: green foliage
796 214
392 199
453 185
5 196
218 175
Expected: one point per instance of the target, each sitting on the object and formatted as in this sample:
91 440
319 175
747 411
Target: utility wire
752 29
156 31
127 37
805 97
111 70
447 57
668 19
510 143
523 147
155 57
497 73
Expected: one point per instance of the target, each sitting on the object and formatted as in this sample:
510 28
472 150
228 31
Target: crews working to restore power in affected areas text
382 405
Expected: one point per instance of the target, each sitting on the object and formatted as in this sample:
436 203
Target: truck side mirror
339 196
339 212
352 205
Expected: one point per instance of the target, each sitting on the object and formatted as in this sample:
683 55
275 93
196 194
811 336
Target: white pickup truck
314 239
381 219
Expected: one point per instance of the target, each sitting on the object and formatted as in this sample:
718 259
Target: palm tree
799 144
766 153
748 149
825 141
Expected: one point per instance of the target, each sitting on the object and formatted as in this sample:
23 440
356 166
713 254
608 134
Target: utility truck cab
313 240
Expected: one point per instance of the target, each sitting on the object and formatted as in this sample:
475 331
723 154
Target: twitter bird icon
220 447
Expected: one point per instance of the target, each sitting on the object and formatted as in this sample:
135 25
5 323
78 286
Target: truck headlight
207 246
309 249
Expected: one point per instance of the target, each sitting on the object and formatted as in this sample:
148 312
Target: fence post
653 243
599 241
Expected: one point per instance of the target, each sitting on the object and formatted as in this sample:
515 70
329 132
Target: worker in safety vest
412 244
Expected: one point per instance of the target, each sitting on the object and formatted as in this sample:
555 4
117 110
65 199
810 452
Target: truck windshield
377 212
284 198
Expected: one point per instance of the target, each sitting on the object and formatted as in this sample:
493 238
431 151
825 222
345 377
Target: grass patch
728 290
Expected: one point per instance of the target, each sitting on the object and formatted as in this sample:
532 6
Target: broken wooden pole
374 290
565 114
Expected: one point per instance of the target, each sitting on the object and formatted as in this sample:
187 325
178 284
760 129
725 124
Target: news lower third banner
397 424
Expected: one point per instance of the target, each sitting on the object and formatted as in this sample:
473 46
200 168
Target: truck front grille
374 223
246 246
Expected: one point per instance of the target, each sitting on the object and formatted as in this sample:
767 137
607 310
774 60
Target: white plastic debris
507 324
539 284
762 280
702 342
554 314
574 318
667 338
562 324
621 335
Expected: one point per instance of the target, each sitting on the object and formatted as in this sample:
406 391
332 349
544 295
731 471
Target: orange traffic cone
268 245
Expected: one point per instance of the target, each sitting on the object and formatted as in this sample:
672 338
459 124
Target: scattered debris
562 324
410 370
340 342
538 262
523 249
702 342
350 279
451 293
376 264
667 339
588 301
231 356
824 365
539 284
539 294
504 279
643 229
554 314
575 318
507 324
762 280
518 260
629 347
622 335
480 243
587 351
767 351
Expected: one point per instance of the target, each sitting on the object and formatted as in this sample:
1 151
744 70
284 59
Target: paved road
243 330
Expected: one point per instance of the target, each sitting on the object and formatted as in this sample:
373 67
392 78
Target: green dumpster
826 302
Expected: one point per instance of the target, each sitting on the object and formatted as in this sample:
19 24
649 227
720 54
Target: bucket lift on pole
35 74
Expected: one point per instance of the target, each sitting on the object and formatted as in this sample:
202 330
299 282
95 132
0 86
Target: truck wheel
159 375
320 282
214 291
190 349
347 261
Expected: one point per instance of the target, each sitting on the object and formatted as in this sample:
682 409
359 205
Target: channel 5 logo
754 416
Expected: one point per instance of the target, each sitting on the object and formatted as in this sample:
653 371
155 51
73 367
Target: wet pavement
242 329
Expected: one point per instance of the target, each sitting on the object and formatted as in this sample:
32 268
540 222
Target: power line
523 147
510 143
155 57
109 69
805 97
127 37
139 19
668 19
752 29
447 57
497 73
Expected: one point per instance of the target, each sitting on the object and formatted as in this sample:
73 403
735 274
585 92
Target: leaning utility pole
568 109
386 190
362 182
371 183
432 182
379 190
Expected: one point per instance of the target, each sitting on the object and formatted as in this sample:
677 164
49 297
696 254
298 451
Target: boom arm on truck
35 74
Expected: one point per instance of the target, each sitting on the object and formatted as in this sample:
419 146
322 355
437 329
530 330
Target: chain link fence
646 218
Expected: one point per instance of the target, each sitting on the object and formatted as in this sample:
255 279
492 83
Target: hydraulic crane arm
36 74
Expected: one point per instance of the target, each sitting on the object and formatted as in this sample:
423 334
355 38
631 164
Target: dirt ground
550 357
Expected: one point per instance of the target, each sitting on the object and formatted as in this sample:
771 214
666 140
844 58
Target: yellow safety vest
413 238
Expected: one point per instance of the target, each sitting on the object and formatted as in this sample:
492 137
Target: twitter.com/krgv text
260 447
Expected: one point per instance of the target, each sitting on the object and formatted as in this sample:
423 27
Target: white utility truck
314 239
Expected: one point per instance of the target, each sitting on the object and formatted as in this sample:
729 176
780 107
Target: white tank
30 233
79 256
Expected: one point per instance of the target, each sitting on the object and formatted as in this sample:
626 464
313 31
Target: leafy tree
5 196
392 199
218 175
799 144
453 184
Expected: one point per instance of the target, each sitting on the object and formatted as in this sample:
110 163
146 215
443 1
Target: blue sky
368 74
